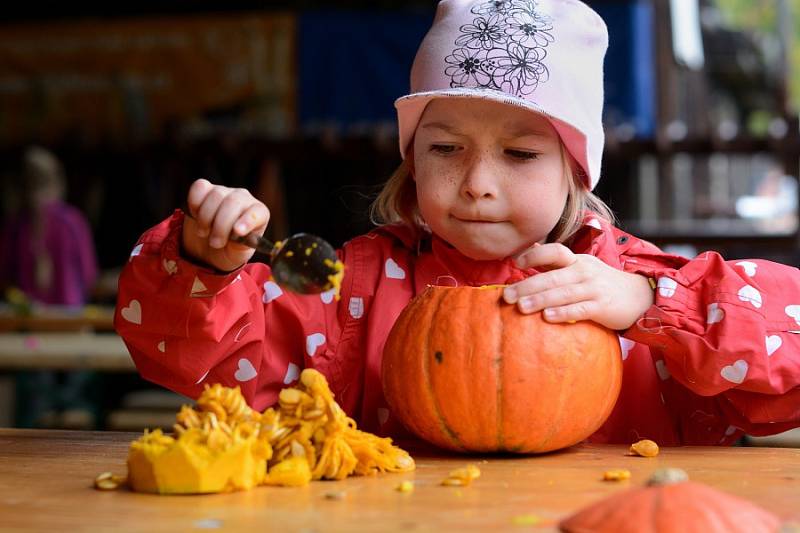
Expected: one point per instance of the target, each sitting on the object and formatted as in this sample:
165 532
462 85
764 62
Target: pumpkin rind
466 371
684 507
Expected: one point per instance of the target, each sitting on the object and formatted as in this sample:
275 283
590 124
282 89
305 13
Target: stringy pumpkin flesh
223 444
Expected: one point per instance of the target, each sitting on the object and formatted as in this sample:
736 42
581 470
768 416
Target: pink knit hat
542 55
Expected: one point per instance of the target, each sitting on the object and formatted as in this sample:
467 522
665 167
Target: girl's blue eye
522 154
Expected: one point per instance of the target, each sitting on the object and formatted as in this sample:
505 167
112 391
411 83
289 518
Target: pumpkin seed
108 481
314 413
645 448
289 396
405 486
618 474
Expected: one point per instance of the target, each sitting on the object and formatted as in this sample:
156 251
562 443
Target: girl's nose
480 180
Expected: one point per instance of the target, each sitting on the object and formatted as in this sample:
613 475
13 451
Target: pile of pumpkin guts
223 445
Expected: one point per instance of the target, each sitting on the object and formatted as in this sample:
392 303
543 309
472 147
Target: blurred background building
294 100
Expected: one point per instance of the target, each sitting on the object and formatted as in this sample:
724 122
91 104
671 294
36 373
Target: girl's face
490 177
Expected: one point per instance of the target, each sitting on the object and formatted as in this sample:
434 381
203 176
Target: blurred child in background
47 252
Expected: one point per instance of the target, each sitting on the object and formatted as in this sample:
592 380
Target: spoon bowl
305 263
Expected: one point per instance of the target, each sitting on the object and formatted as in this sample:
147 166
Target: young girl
502 141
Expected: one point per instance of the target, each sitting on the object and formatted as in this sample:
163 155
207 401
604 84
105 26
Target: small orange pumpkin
468 372
671 503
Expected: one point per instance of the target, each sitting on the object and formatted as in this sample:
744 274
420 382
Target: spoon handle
254 240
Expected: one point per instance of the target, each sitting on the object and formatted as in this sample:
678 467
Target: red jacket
715 356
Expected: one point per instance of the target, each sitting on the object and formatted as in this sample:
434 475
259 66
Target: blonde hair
397 201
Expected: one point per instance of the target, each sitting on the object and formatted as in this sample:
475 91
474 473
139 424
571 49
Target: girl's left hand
578 287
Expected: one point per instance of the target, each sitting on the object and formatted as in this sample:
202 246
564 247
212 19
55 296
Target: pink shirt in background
68 241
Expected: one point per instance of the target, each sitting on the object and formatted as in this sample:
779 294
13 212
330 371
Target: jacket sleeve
186 325
728 331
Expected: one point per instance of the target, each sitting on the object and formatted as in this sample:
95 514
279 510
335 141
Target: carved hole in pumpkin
439 356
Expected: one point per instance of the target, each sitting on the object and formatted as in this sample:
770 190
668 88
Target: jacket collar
592 238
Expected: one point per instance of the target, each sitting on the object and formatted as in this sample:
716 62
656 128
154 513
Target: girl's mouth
476 220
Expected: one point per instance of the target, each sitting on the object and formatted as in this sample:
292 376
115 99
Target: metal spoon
303 263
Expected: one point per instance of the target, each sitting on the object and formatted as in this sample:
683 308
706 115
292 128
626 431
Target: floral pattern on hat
502 49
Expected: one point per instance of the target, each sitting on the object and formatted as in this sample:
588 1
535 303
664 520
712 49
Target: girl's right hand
217 212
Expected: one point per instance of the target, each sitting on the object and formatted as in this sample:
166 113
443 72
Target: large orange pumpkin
467 372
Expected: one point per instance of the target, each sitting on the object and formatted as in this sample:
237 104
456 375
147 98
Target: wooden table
64 351
46 484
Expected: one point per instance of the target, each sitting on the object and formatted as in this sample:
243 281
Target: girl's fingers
214 211
206 212
254 218
197 193
546 257
585 310
553 298
539 283
236 201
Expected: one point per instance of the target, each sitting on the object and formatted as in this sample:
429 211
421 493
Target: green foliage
761 16
750 14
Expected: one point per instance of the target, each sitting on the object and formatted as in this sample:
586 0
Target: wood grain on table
46 484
